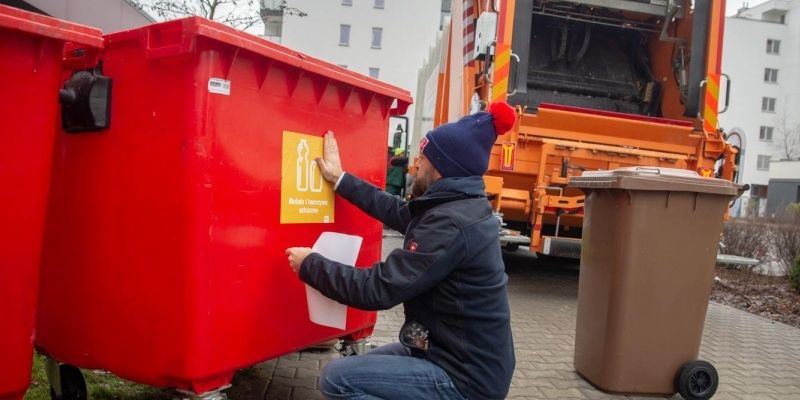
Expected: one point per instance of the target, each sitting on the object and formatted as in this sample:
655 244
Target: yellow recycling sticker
306 198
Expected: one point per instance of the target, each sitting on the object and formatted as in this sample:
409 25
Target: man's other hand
296 256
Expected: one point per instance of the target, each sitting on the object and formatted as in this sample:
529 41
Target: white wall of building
745 58
409 29
107 15
785 170
427 85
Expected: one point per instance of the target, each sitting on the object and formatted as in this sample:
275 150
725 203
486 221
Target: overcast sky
732 5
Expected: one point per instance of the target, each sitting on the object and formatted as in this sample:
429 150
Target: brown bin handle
742 189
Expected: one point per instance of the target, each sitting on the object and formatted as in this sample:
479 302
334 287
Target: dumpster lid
654 178
183 32
41 25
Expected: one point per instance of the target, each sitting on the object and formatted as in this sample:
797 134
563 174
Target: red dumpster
164 249
31 49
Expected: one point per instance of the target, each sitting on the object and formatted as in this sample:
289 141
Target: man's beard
420 186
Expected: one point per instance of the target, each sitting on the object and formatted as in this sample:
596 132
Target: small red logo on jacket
412 247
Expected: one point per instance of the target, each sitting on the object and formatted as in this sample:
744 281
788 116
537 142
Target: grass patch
249 383
102 386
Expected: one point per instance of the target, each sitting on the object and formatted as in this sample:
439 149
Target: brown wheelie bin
650 240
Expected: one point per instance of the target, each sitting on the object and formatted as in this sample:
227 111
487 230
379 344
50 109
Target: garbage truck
597 84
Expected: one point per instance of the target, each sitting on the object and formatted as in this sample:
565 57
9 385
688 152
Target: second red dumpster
165 239
31 50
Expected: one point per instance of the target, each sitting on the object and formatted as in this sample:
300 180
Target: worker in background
411 174
456 341
396 173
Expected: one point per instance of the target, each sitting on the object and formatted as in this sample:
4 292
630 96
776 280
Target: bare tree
787 137
240 14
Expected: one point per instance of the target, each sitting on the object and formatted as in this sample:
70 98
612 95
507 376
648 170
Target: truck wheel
73 386
697 380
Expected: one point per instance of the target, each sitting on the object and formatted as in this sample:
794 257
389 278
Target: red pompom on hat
504 117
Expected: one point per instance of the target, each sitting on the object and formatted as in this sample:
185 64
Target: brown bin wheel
73 386
697 380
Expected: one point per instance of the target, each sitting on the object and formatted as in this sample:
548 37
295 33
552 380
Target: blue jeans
388 372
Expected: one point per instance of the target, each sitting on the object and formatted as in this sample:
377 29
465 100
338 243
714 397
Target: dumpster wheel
697 380
73 386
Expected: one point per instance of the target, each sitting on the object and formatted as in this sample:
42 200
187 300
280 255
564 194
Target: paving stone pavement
756 358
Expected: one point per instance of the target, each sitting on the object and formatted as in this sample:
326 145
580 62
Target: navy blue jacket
449 276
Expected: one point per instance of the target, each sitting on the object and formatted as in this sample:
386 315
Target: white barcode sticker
219 86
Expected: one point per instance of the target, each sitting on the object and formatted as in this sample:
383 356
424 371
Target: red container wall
31 48
164 258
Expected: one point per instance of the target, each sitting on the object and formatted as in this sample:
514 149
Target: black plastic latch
86 101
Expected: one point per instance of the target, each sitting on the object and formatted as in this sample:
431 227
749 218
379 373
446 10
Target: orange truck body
552 141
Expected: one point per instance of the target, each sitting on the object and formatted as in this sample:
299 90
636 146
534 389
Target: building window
768 104
379 3
770 75
765 133
783 18
344 35
347 2
763 163
374 73
773 46
377 36
758 191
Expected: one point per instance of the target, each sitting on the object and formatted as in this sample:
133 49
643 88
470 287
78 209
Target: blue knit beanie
462 148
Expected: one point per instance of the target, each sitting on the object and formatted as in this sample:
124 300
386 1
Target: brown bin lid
652 178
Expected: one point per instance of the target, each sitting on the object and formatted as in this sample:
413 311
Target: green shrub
793 211
794 274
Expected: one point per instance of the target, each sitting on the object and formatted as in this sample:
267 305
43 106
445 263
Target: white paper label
219 86
342 249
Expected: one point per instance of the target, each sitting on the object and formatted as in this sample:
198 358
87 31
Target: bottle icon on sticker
308 176
302 166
